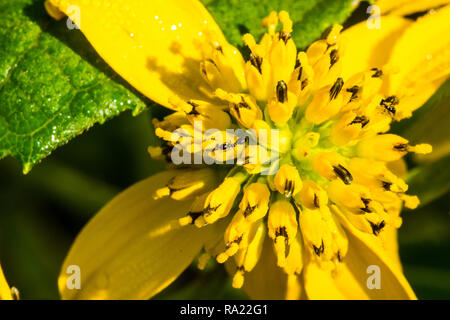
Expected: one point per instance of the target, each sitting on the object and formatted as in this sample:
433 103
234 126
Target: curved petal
368 250
389 239
5 291
152 44
405 7
320 284
134 247
370 48
422 58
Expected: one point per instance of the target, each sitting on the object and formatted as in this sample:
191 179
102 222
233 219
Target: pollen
310 149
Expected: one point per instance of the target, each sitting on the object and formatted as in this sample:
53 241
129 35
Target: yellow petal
389 239
5 291
370 48
134 247
422 58
154 45
367 250
320 284
405 7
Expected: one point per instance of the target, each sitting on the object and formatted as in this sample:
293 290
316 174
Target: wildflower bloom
310 227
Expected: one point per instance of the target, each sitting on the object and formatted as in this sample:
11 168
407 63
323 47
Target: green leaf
430 181
53 85
310 17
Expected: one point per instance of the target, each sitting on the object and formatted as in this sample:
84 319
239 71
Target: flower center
312 150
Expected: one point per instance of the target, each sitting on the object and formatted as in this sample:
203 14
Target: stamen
333 35
343 174
271 22
324 130
238 278
289 187
334 57
316 201
366 205
336 88
376 228
377 72
300 71
386 185
203 261
360 119
208 210
318 251
193 112
389 103
402 147
256 62
284 36
281 232
249 210
282 95
287 181
220 49
304 83
354 90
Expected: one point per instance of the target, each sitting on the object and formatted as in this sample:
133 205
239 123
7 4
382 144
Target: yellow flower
312 228
7 293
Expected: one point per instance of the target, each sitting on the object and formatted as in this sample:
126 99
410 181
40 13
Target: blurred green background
41 213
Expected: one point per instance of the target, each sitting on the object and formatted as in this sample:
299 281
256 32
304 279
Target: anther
194 215
208 210
193 112
334 57
402 147
336 88
360 119
304 83
249 210
289 187
256 62
230 145
389 103
300 71
242 104
386 185
220 49
366 205
284 36
316 201
237 241
377 72
354 90
281 232
376 228
318 251
343 174
282 95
